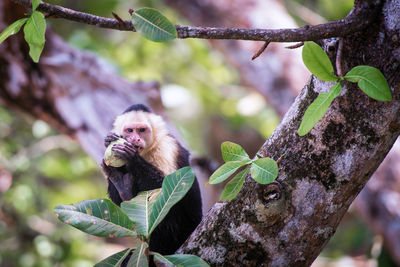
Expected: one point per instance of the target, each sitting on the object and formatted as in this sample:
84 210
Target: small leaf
317 109
180 260
233 152
226 170
174 188
138 210
34 30
264 171
35 4
139 258
153 25
99 217
115 259
317 62
12 29
233 187
371 81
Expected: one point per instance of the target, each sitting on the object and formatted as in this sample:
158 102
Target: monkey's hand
126 151
110 138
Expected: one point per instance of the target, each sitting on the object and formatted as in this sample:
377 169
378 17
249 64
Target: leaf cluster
137 217
262 170
34 31
370 80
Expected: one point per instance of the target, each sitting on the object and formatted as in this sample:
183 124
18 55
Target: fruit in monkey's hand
111 158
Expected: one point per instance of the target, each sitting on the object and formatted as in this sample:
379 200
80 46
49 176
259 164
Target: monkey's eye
129 130
142 130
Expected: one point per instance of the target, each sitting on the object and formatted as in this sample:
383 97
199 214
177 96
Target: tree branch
354 22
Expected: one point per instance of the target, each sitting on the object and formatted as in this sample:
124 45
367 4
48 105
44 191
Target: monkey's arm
120 184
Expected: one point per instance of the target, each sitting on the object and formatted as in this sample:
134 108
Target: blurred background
211 92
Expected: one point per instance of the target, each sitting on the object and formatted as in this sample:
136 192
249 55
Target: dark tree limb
356 21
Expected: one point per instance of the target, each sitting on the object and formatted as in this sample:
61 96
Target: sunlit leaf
139 258
34 32
174 188
371 81
317 62
153 25
317 109
138 209
264 170
233 152
115 259
99 217
12 29
180 260
35 4
226 170
233 187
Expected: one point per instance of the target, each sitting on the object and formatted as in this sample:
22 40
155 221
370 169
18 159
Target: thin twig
354 22
260 51
295 45
118 18
339 58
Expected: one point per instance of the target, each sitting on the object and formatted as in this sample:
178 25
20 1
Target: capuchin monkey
150 154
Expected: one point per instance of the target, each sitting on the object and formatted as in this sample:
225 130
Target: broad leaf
317 62
180 260
139 257
371 81
317 109
99 217
233 187
138 210
12 29
34 32
264 170
226 170
153 25
174 187
35 4
233 152
115 259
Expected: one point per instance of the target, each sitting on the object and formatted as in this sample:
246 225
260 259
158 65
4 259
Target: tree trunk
288 222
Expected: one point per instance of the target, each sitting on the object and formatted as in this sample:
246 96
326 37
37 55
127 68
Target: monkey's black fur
138 175
137 107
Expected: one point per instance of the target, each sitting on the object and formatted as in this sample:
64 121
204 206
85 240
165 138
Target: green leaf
264 171
99 217
233 187
138 209
115 259
317 62
233 152
12 29
153 25
139 258
35 4
34 30
180 260
226 170
371 81
317 109
174 187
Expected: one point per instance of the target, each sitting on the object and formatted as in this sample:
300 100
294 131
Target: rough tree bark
289 222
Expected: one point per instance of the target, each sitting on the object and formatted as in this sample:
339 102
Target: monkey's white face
139 133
